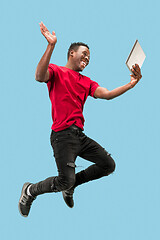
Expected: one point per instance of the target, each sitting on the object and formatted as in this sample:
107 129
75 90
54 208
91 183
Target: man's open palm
51 38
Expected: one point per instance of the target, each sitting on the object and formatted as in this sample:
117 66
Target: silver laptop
136 56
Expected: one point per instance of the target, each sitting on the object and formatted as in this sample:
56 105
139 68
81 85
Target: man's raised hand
51 38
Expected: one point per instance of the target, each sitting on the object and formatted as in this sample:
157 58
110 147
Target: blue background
124 205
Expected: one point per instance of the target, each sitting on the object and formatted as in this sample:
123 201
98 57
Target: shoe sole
23 189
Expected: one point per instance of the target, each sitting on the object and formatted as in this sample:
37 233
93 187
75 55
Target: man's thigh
95 153
65 147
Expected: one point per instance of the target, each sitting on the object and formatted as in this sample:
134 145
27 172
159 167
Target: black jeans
67 145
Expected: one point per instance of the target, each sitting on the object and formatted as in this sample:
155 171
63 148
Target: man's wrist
51 46
129 86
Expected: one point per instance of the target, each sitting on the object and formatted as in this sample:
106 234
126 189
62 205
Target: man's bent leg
104 163
65 156
53 184
65 179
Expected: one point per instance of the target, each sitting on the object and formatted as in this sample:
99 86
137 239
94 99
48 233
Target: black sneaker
68 197
25 201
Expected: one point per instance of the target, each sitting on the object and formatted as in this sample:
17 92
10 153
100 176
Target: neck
70 66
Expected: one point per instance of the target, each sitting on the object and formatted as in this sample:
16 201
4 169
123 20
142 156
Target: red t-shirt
68 91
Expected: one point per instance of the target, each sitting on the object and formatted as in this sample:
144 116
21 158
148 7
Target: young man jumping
68 91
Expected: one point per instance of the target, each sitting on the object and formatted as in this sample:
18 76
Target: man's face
80 58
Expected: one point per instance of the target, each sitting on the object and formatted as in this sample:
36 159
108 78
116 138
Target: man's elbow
103 93
38 78
107 96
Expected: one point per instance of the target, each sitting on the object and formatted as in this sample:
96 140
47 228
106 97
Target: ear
71 53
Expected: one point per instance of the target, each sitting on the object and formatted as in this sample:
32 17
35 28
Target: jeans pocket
60 137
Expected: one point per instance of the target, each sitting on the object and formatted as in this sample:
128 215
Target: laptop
136 56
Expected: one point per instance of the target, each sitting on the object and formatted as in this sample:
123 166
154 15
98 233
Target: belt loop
75 129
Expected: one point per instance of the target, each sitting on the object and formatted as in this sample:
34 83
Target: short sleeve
93 87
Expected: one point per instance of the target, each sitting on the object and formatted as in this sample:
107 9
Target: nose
87 58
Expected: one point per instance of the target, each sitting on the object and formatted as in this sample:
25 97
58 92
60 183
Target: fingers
135 69
136 72
43 27
133 78
51 38
42 24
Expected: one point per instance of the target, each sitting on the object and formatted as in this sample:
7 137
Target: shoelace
27 200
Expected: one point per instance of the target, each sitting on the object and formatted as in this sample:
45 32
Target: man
68 91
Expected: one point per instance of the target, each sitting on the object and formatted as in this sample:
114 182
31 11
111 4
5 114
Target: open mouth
83 64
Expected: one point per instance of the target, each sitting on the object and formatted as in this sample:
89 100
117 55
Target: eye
85 54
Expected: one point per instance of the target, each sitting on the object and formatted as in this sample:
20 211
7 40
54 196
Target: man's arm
42 73
104 93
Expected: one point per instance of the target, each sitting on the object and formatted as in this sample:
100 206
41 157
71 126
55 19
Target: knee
70 182
112 166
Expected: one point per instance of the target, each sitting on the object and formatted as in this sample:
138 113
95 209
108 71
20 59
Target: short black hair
74 46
